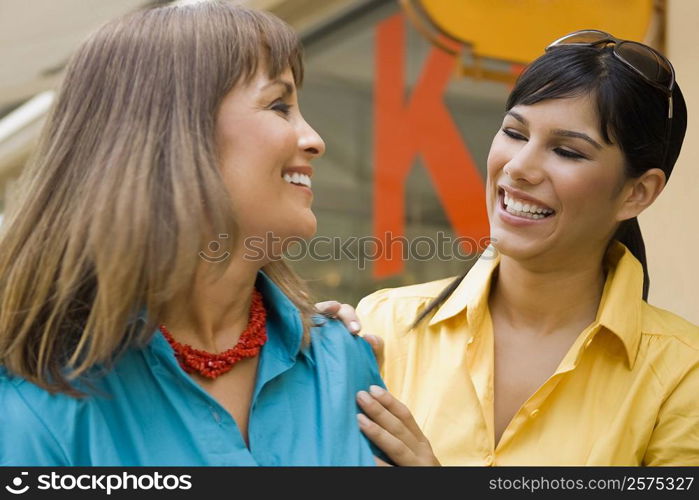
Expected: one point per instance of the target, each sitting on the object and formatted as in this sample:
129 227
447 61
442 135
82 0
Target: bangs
558 75
248 32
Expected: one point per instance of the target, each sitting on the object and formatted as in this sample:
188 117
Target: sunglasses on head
647 62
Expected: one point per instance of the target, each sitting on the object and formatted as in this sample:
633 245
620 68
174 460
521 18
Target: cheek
499 155
587 194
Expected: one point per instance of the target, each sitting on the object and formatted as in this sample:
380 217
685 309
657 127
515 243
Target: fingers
328 308
389 424
348 316
381 463
343 312
391 414
391 445
376 344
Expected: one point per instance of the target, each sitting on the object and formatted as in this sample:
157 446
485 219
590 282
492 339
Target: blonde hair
112 207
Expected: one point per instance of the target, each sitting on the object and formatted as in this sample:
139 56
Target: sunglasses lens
651 65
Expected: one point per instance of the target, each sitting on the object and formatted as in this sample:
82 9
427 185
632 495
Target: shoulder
397 301
671 345
343 359
30 423
420 291
331 335
661 323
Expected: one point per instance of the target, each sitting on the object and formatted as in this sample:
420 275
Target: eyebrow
288 87
559 132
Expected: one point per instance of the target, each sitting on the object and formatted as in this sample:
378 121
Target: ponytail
629 233
439 300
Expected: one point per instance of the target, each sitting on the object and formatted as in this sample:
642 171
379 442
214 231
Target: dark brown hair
632 113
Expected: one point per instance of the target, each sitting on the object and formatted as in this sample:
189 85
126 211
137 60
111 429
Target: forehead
261 80
569 112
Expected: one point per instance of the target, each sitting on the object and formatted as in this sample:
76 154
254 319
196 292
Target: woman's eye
513 135
281 107
567 153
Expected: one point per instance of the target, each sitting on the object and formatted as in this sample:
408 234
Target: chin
303 226
515 246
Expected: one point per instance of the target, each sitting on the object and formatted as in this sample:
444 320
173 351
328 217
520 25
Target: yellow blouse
626 393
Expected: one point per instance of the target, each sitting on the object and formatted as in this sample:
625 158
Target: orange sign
518 30
418 124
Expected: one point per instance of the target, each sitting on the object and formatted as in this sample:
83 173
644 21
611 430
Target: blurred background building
407 95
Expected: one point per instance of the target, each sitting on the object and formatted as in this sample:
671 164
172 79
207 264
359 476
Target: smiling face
555 188
265 150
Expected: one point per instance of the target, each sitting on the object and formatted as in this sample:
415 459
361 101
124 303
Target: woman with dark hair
134 327
546 352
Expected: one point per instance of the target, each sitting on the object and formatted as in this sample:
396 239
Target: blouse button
534 413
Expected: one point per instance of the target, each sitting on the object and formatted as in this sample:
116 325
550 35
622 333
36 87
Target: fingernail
376 390
362 419
355 326
364 397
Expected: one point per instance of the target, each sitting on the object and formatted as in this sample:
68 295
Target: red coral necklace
212 365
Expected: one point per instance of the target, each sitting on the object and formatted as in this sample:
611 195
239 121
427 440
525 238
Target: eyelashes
513 135
281 107
562 152
566 153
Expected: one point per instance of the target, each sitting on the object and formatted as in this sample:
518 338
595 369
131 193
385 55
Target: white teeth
297 178
524 208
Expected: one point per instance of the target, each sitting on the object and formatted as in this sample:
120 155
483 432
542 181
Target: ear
640 193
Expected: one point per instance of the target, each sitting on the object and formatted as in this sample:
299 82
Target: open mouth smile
298 179
525 209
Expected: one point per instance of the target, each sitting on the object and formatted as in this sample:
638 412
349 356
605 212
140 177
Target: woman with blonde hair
134 327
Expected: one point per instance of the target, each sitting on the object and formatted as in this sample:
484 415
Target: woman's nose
310 142
525 165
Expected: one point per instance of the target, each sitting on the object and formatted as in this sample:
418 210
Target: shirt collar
472 293
619 311
284 326
621 304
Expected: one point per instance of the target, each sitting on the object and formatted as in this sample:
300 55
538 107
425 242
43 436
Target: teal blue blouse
148 411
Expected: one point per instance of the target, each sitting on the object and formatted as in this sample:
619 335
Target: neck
548 299
216 312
